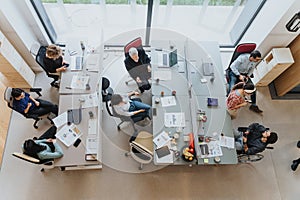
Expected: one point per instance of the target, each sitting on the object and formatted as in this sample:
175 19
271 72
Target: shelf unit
276 62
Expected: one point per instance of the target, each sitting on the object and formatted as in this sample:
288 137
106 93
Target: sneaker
255 109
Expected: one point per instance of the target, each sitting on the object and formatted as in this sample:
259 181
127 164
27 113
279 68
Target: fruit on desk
187 154
191 151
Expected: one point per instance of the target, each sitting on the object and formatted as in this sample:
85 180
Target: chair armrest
36 90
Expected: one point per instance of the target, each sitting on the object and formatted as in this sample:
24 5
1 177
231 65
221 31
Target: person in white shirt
129 107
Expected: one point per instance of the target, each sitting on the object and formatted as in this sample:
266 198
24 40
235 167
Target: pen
69 88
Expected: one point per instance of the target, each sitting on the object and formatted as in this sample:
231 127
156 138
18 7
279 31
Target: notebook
162 151
76 63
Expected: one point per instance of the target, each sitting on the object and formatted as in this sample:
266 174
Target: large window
198 19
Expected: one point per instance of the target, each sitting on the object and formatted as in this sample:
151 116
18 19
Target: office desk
192 94
75 157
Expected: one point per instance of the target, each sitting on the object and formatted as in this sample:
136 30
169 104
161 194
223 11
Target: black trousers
45 107
50 133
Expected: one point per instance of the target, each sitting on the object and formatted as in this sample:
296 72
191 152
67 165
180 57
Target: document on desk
214 149
92 63
68 134
167 159
175 119
168 101
165 75
226 141
89 100
91 145
79 82
92 130
161 139
60 119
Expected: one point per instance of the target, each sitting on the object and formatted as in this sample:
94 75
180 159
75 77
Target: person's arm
254 150
61 69
240 105
144 57
133 93
35 101
250 72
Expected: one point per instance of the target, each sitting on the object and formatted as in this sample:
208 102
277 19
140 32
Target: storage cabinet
15 72
276 62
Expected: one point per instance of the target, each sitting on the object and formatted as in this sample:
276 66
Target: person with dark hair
295 163
236 98
45 147
129 107
255 139
26 104
138 66
241 69
53 60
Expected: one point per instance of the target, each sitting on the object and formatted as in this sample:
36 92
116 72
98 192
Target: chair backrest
141 153
137 43
106 92
241 49
8 98
46 164
41 54
121 117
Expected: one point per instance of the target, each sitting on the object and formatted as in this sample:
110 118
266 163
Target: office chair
141 149
240 49
41 54
9 99
45 164
137 43
106 92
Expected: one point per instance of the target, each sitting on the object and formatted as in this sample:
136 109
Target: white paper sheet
91 145
60 119
92 130
168 101
161 139
214 150
89 100
68 134
174 120
226 141
79 82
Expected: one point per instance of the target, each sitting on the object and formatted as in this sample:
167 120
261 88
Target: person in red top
236 98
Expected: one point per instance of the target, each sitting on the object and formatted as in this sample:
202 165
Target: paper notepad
68 134
79 82
174 120
161 139
226 142
168 101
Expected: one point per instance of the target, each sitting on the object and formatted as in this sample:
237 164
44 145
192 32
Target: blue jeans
137 105
238 137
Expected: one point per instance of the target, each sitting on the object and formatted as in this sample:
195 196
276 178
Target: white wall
20 27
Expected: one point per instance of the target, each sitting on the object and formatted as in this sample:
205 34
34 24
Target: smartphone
66 65
77 142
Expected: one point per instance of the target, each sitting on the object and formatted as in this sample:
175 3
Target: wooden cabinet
276 62
14 71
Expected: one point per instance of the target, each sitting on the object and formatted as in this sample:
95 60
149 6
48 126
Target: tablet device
162 151
212 102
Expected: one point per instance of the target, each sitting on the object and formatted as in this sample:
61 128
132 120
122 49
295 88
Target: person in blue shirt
45 147
27 105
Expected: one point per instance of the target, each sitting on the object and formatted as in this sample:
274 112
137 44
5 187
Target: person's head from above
133 53
249 88
17 93
53 51
31 148
255 56
270 138
116 99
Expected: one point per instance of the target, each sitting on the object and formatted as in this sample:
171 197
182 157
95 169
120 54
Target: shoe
294 165
255 109
298 144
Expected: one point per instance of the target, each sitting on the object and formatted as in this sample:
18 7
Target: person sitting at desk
129 107
254 140
45 147
138 66
26 104
53 60
236 98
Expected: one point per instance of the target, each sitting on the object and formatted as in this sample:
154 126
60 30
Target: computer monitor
173 58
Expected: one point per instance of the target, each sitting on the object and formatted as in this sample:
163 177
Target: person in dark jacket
54 61
137 64
255 139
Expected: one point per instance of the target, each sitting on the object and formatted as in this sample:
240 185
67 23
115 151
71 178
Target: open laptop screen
173 58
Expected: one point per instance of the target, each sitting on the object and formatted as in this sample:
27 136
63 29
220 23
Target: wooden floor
4 120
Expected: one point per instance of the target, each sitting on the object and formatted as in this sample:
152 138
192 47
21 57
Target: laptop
76 63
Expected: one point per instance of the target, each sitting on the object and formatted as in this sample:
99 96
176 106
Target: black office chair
41 54
106 92
9 99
